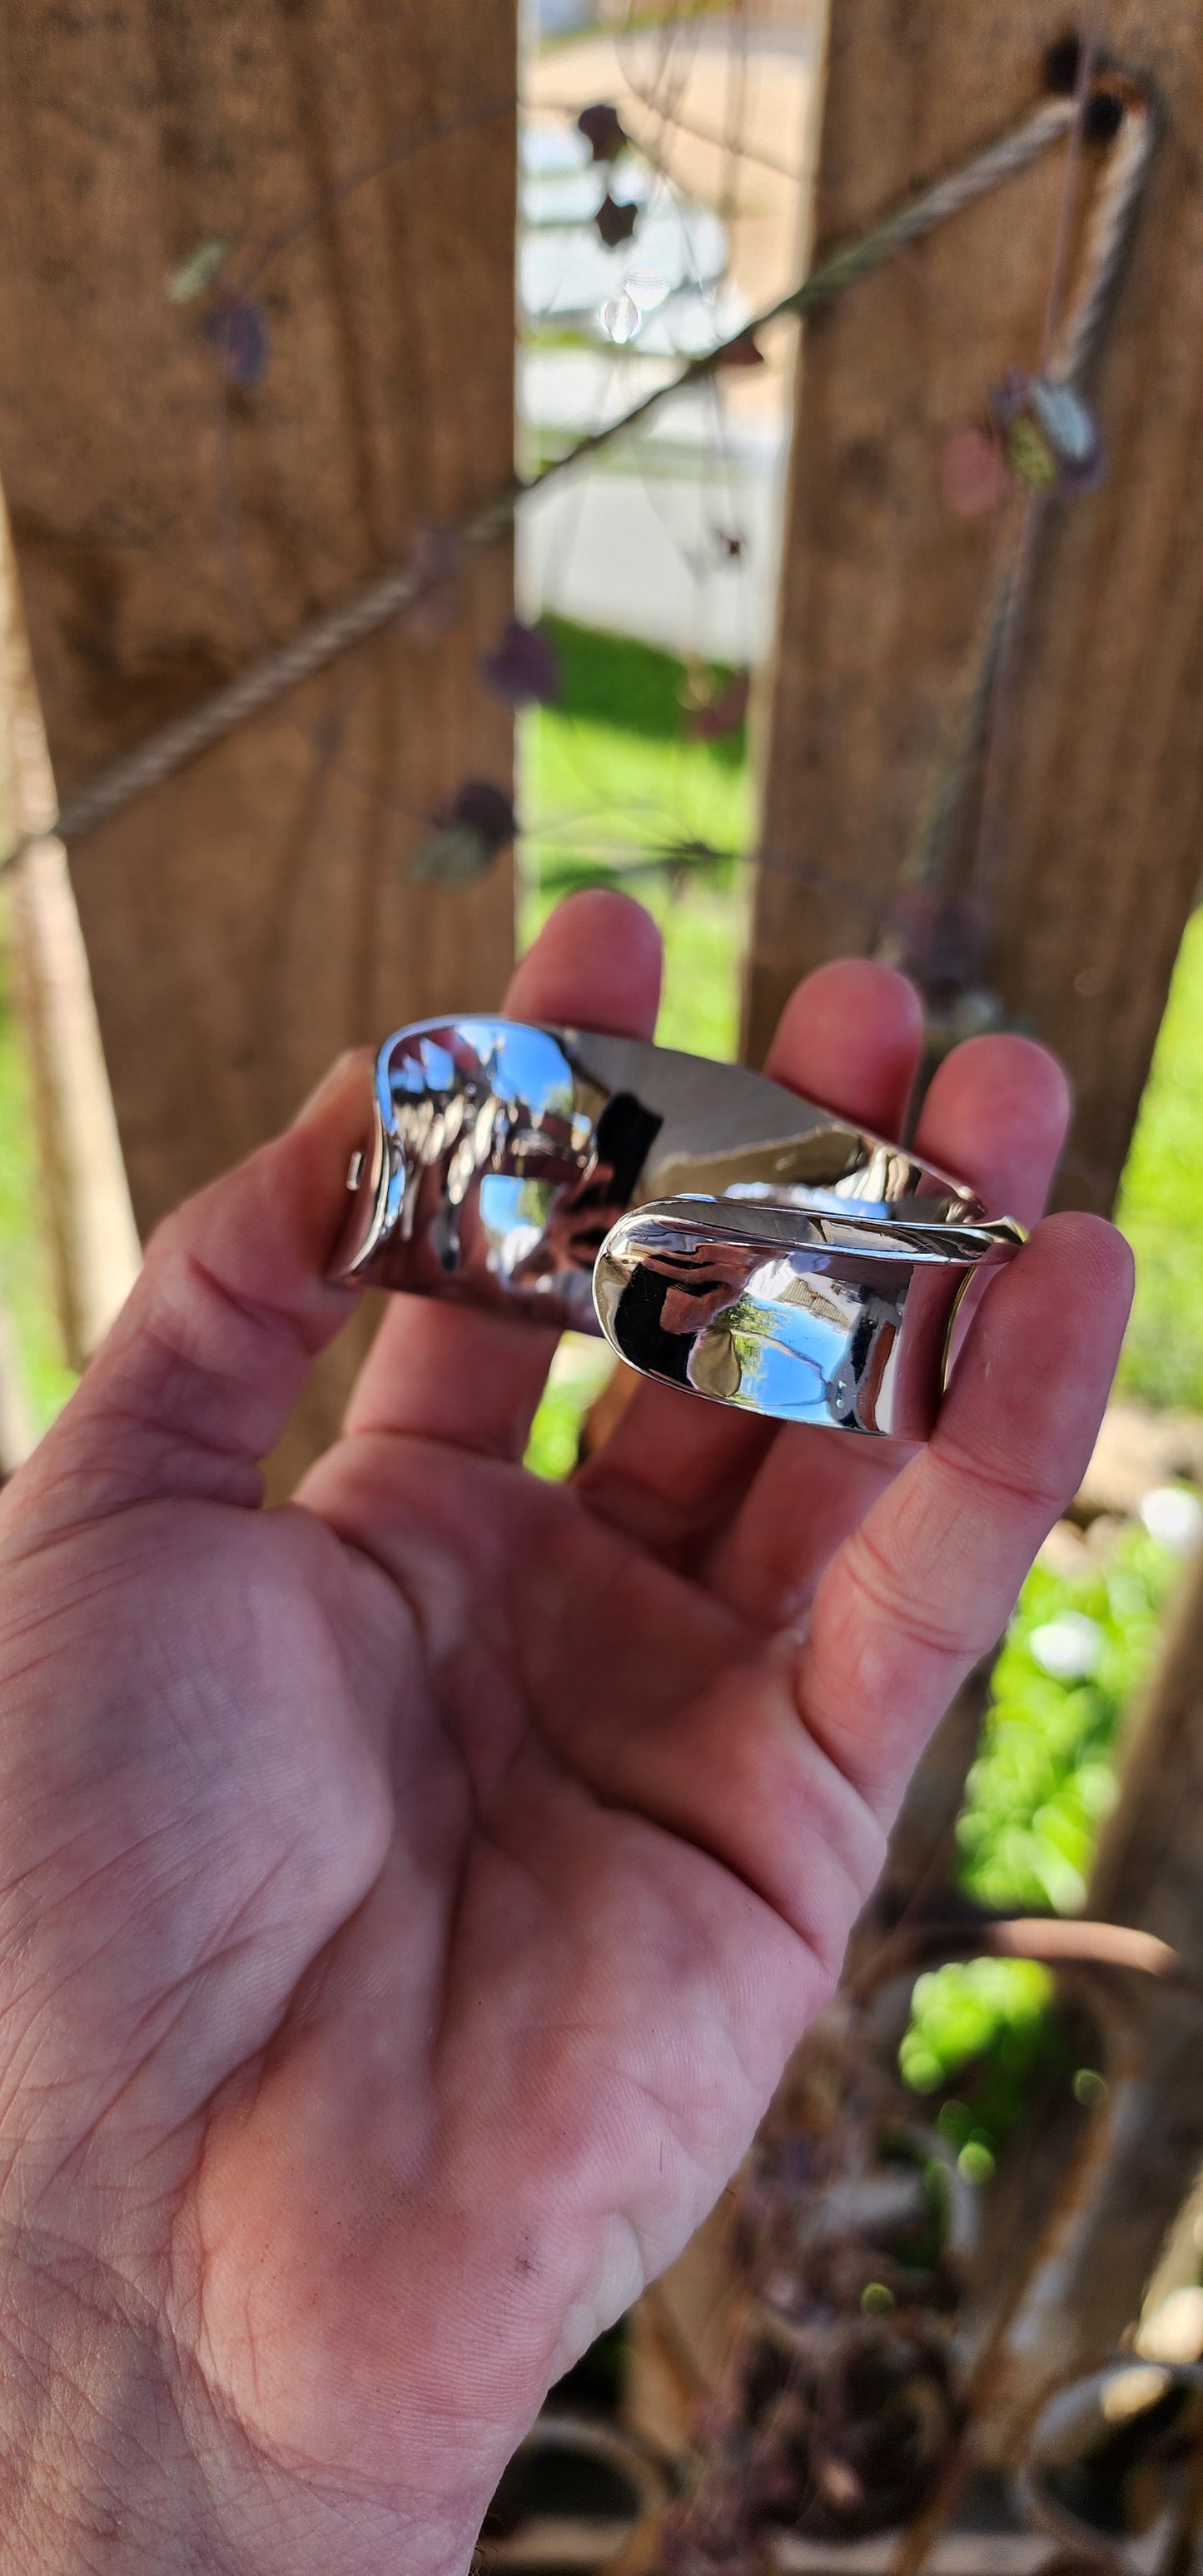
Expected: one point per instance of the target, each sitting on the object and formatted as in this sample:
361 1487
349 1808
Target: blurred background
884 639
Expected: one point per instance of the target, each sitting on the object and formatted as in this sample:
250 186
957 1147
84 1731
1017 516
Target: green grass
1161 1203
613 794
25 1282
578 1373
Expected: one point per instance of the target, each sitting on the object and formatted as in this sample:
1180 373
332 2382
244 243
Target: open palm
408 1898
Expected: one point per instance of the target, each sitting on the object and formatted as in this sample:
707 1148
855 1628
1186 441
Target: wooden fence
170 520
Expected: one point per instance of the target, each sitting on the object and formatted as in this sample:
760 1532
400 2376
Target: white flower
1174 1515
1068 1647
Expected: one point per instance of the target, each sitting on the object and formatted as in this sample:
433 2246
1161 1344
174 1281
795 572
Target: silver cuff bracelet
724 1234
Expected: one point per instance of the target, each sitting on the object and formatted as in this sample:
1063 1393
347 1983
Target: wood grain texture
252 917
882 588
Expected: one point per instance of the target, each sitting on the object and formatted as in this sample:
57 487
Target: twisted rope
1108 235
337 630
1104 249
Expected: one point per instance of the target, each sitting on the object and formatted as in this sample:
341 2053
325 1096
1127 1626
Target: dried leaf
603 130
616 220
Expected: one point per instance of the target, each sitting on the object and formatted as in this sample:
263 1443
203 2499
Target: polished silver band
724 1234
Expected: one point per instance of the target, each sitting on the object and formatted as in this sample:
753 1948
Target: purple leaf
238 333
522 667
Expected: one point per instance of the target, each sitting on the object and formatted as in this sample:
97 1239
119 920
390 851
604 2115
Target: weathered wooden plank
250 918
882 587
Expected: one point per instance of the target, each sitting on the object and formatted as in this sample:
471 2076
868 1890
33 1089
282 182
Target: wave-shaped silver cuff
723 1233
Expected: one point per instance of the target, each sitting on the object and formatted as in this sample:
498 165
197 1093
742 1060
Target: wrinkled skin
408 1898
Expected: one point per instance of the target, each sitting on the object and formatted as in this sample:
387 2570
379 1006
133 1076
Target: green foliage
1044 1778
1035 1799
579 1372
959 2010
1161 1203
24 1264
985 2024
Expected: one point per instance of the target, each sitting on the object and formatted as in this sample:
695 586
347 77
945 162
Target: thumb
196 1379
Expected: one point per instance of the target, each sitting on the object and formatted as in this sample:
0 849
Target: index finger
995 1115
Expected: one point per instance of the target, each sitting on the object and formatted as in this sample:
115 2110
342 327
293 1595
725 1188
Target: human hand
408 1898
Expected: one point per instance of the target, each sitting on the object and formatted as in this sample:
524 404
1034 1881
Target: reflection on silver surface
725 1235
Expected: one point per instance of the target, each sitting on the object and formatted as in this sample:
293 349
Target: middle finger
995 1116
